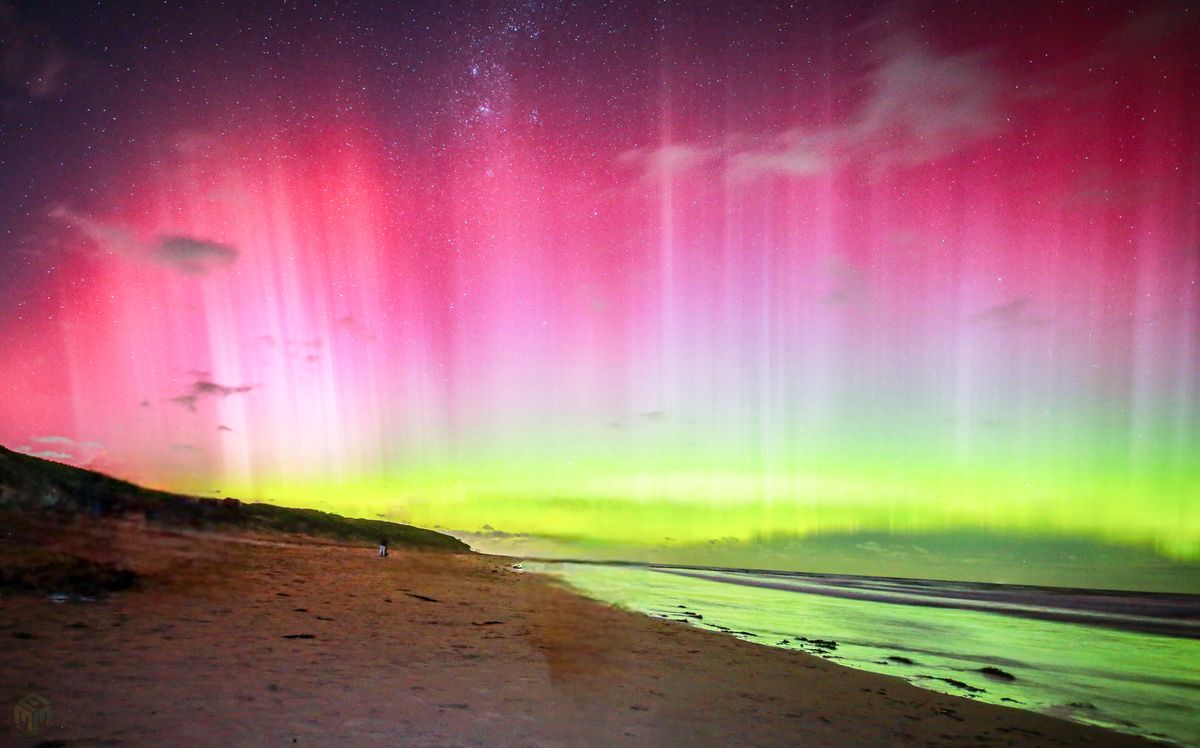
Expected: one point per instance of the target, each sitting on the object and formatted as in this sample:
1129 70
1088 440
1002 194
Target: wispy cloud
796 153
657 163
185 254
922 106
187 401
45 454
193 256
203 388
67 441
212 388
1015 313
925 106
55 447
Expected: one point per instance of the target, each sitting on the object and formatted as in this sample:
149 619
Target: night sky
671 276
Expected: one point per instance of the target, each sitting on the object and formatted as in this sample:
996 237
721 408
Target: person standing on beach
382 547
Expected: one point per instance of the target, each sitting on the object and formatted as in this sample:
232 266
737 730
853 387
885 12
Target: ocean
1127 661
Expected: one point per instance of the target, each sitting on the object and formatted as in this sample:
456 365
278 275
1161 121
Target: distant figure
382 547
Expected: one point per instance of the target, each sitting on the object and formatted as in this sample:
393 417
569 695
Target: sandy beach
251 641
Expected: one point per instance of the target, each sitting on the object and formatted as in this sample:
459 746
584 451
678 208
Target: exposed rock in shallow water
957 684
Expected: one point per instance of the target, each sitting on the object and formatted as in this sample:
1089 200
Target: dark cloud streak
203 388
185 254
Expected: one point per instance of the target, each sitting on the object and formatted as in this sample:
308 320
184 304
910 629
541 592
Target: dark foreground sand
428 649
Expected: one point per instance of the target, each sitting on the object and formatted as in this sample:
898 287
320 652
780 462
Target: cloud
925 106
491 540
668 160
82 451
921 106
1013 313
204 388
46 454
67 441
112 239
797 155
187 401
184 254
193 256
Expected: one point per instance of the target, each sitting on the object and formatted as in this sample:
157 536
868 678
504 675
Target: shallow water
1125 661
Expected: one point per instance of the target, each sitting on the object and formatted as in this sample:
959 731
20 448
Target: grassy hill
33 487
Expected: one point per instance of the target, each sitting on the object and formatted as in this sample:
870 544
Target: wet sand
254 642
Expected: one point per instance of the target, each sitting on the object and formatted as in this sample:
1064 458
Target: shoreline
1129 682
247 643
1093 607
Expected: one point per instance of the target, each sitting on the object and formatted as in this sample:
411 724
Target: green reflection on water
1137 683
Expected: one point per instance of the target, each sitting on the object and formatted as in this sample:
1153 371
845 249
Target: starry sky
831 285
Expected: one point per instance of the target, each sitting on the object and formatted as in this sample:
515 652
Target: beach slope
262 640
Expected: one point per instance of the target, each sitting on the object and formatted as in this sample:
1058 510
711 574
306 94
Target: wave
1166 614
